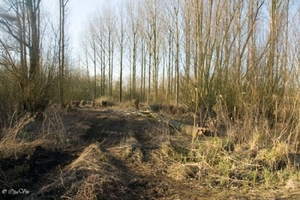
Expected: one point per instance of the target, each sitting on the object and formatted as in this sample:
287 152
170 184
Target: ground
114 153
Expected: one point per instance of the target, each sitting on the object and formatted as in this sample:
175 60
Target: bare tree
187 12
152 17
199 50
132 10
110 24
21 22
121 41
177 47
88 44
62 48
97 32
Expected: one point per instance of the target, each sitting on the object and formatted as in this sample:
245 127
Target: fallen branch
188 129
181 127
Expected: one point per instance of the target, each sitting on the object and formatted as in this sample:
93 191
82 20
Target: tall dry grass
15 140
257 151
24 132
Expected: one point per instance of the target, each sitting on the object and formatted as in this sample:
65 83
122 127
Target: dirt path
120 155
137 148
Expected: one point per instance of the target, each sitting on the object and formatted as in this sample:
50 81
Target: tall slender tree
121 42
62 49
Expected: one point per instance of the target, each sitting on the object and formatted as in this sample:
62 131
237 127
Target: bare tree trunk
134 52
169 85
33 7
109 63
149 71
187 23
103 64
198 51
95 68
121 73
155 56
145 70
121 43
61 57
142 72
176 11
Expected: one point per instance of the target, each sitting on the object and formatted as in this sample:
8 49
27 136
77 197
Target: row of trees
196 52
187 51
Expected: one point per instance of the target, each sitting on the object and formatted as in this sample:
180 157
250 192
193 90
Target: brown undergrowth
116 153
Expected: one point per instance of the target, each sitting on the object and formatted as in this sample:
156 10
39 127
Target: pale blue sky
80 12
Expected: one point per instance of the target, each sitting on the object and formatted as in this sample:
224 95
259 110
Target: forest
238 59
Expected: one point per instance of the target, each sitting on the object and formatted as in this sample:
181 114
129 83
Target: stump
136 104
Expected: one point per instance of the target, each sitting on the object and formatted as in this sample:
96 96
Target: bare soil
113 154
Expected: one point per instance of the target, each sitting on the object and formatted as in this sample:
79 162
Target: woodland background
239 57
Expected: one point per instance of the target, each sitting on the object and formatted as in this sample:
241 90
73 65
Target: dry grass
90 159
85 176
109 100
15 140
251 157
126 105
255 159
23 133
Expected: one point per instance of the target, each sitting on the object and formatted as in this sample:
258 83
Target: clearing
115 153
